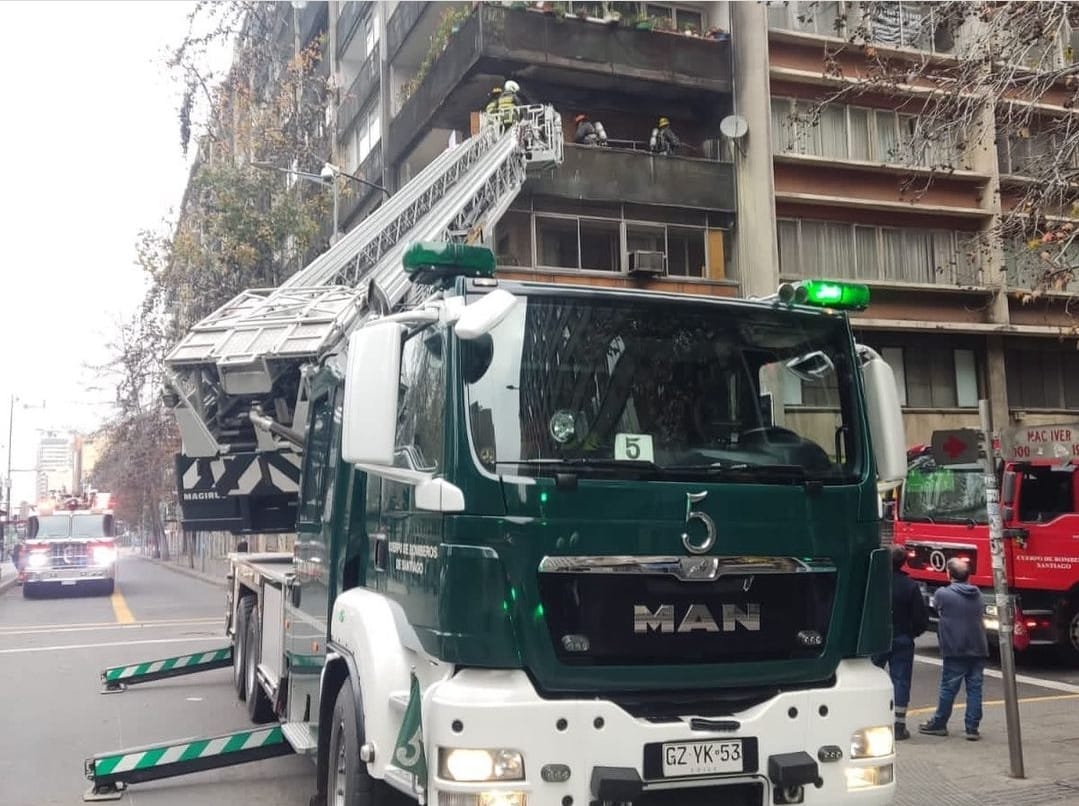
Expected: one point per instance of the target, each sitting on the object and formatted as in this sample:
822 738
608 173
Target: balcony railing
636 177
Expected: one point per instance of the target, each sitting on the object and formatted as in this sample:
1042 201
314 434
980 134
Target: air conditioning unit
650 264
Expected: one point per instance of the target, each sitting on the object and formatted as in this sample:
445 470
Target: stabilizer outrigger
111 773
117 678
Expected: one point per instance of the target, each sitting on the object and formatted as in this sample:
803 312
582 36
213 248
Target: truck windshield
943 494
88 526
54 526
618 386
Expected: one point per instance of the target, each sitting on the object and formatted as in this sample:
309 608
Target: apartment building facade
792 198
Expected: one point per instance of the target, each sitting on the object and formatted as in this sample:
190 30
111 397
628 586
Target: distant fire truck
70 542
942 514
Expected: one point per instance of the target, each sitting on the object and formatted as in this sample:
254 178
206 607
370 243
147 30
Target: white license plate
702 758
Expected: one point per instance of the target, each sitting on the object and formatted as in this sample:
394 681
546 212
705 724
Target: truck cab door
1046 510
404 551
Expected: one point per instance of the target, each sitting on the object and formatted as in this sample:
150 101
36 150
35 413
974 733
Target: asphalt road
1040 673
52 716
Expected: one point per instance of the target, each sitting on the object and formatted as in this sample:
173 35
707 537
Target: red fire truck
70 543
942 514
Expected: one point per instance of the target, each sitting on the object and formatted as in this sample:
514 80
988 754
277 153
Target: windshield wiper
578 462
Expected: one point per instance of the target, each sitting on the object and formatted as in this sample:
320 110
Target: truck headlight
872 742
104 555
862 777
37 559
464 764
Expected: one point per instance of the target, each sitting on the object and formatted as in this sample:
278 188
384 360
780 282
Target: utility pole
7 478
1005 612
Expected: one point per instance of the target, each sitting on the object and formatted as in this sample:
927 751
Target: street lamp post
327 176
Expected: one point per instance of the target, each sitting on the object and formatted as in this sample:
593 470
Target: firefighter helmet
664 122
511 86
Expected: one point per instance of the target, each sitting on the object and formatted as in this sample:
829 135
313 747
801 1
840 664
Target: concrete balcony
637 177
357 95
573 60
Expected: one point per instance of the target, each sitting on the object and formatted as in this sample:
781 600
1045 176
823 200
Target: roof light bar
440 262
826 294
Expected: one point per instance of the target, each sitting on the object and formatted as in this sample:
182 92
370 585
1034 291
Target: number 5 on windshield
633 447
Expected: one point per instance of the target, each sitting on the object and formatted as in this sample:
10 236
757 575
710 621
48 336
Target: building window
809 248
367 132
681 18
1038 152
904 24
589 243
1025 268
858 133
1042 377
934 377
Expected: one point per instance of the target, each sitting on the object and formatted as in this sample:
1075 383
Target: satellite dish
734 127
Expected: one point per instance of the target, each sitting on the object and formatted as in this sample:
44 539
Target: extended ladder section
248 354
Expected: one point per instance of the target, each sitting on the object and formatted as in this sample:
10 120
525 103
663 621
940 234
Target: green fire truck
555 545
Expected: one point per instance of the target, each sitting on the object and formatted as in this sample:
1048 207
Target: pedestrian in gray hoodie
963 647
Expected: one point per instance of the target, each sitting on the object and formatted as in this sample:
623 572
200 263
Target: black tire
347 780
259 707
1068 648
108 587
239 646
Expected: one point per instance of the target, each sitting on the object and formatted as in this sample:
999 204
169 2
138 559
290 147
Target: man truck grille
639 616
929 557
69 555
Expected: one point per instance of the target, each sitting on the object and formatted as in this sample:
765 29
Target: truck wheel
239 646
1069 642
348 782
259 707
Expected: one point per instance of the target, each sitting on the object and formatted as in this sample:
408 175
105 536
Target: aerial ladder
236 379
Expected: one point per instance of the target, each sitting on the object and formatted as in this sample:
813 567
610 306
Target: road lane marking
111 625
932 709
63 647
1040 682
120 608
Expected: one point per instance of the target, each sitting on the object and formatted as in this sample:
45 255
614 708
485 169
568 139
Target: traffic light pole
1005 612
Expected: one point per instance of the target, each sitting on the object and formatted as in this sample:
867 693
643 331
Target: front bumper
596 741
69 576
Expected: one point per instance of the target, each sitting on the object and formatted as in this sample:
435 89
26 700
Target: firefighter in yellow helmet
663 139
508 102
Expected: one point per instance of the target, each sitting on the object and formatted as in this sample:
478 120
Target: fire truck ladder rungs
241 349
117 678
111 773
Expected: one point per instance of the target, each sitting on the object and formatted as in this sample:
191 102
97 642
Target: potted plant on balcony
691 30
642 22
663 24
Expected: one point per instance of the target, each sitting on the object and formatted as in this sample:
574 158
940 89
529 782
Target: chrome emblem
937 560
709 526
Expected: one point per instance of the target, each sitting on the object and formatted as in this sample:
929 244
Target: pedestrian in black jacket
909 620
963 648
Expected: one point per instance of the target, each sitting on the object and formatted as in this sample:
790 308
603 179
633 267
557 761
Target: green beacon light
826 294
441 262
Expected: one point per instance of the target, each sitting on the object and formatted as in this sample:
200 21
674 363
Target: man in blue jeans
964 648
909 620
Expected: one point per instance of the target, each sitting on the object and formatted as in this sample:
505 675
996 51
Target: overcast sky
91 152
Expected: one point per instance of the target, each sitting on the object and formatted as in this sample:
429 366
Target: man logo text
697 617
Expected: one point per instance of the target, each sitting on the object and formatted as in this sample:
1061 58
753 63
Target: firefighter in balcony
589 133
663 139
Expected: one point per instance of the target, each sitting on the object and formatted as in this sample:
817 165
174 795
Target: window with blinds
1041 377
840 131
840 250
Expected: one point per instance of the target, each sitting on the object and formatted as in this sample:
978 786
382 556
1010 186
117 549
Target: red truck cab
941 514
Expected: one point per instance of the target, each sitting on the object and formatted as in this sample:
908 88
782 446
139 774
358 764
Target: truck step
301 737
399 701
117 678
111 773
404 781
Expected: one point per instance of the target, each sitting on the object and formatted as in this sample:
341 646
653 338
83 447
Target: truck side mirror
482 316
885 419
1008 488
369 415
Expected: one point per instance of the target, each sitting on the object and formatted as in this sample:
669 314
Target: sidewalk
7 575
954 772
179 567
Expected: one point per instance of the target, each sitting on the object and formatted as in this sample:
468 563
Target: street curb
191 572
7 582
